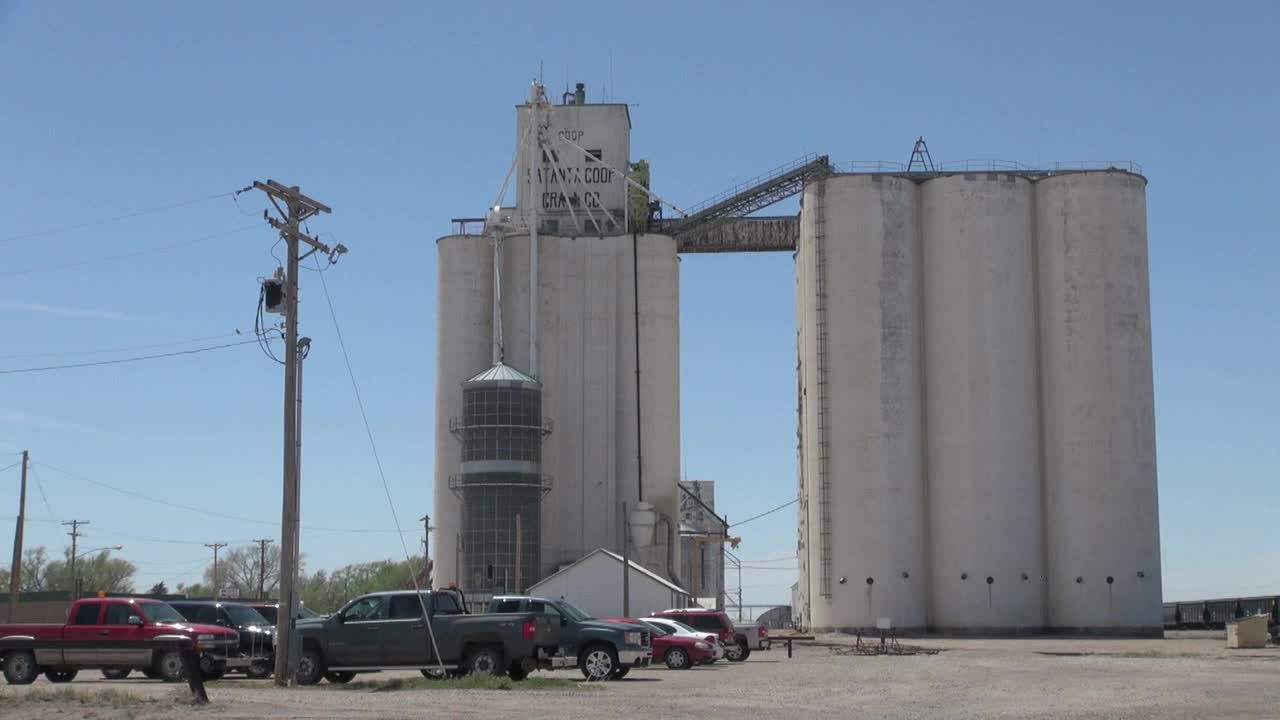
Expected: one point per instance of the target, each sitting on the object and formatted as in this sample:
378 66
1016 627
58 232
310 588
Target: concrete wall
1101 517
586 363
985 529
873 404
595 585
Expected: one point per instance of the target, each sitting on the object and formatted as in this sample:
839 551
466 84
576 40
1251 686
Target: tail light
530 629
764 633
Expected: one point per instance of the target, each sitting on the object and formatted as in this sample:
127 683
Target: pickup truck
257 634
387 631
123 627
601 650
754 634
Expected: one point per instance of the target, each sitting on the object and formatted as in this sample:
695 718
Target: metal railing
458 424
753 182
988 165
459 481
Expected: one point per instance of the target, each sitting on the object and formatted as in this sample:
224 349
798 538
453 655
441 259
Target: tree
238 569
96 573
326 593
34 562
158 589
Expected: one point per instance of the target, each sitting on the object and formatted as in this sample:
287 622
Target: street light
75 580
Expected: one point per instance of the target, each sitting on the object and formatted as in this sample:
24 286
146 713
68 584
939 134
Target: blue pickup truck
601 650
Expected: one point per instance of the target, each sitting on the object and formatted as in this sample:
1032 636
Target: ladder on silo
824 441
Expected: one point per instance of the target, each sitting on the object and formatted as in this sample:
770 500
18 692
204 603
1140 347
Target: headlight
631 638
701 645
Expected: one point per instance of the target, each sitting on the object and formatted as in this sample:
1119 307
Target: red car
123 627
677 651
712 621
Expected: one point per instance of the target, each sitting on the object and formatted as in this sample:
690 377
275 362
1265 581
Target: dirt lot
1188 677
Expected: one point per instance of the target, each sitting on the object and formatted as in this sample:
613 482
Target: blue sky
400 116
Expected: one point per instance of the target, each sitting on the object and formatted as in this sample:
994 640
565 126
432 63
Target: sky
400 116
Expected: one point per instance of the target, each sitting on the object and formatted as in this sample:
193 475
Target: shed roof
634 566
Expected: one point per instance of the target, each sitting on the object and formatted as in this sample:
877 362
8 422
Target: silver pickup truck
388 631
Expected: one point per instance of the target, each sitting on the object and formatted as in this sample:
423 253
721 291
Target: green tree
96 573
326 592
158 589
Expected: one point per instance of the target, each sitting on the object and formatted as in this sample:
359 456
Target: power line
132 348
118 361
129 255
768 512
118 218
6 467
201 511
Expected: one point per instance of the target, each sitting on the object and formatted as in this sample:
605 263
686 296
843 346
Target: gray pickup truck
602 650
387 631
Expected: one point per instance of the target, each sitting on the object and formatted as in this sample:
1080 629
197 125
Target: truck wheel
746 648
60 676
736 651
169 666
598 662
310 667
339 678
517 672
677 659
20 667
115 673
620 673
485 660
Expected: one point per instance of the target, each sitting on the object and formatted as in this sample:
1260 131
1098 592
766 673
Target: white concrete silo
982 416
464 308
862 419
1098 403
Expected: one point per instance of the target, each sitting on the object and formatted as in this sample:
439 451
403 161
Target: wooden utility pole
294 208
75 536
426 549
15 572
217 588
262 567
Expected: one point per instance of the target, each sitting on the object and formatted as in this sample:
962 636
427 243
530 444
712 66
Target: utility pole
426 548
262 567
75 536
215 547
15 573
293 208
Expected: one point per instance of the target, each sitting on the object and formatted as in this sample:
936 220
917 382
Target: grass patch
469 682
113 699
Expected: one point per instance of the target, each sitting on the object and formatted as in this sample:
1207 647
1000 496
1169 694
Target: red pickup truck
120 631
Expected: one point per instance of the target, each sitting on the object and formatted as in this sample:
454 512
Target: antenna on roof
920 153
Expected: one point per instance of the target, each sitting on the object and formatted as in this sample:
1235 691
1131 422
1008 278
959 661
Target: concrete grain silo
858 265
982 411
1101 512
464 310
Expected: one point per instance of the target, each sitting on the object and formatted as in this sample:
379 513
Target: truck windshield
158 612
567 608
244 615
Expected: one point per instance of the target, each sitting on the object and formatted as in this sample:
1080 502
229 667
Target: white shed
594 583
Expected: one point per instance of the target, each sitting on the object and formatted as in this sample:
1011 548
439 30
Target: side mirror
135 621
340 618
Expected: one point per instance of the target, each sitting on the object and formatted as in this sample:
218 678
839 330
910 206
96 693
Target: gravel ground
1183 677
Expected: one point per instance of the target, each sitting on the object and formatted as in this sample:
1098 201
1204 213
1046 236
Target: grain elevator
975 413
